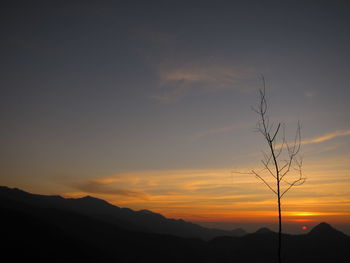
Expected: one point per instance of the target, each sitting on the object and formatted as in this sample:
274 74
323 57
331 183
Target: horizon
288 228
148 105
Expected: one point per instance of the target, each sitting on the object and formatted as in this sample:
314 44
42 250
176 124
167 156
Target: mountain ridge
142 220
48 233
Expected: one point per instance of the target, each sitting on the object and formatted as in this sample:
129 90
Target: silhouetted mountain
323 244
238 232
40 234
325 230
35 228
264 230
143 220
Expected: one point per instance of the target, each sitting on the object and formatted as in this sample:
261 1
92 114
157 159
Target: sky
148 104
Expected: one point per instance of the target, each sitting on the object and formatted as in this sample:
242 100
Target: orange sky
220 195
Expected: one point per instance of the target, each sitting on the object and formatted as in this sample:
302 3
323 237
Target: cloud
104 186
327 137
322 138
172 94
218 195
223 129
210 75
180 72
309 94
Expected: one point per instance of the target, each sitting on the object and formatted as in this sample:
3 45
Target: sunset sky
147 104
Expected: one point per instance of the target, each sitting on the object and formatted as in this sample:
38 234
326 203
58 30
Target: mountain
47 234
325 230
143 220
323 244
42 229
264 230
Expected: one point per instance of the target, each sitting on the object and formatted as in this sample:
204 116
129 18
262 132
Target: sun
304 228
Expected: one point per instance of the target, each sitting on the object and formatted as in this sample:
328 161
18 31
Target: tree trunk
279 227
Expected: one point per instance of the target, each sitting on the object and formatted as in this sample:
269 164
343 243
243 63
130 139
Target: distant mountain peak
145 211
264 230
324 229
93 201
89 197
324 225
148 212
8 189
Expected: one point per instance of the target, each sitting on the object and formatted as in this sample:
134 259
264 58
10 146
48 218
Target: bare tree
282 163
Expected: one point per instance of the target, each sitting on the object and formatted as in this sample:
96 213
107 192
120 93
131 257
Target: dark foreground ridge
54 229
143 220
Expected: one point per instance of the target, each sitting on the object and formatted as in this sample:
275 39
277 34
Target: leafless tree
281 163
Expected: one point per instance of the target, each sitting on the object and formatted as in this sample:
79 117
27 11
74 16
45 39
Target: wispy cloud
327 137
223 129
218 195
182 73
322 138
103 186
200 77
310 94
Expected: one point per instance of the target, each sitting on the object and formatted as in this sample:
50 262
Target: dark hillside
41 229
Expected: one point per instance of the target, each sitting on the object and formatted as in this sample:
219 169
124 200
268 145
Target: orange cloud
103 187
327 137
217 195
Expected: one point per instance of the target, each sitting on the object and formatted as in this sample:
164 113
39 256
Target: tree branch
262 179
